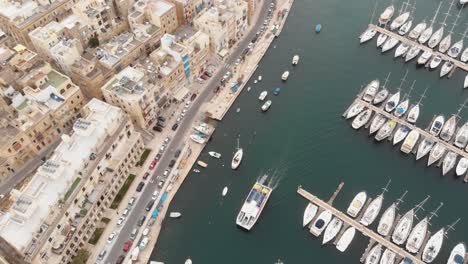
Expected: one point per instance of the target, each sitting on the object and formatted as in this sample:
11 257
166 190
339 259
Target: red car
127 245
153 164
145 176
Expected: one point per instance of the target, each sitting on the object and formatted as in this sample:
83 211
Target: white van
155 195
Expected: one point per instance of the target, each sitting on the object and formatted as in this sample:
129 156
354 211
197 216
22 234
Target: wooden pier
354 223
413 43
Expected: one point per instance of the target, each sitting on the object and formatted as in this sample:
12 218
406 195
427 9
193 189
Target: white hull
417 30
401 50
356 204
386 15
461 139
465 83
392 102
457 255
380 97
405 28
424 58
263 95
371 91
362 119
214 154
374 255
436 153
386 222
381 39
446 68
416 238
332 230
462 167
425 35
445 43
377 123
436 38
403 228
412 53
385 131
449 162
372 211
225 191
433 246
285 76
399 21
464 56
346 239
401 109
413 114
367 35
400 134
390 44
355 110
321 223
388 257
435 62
410 142
437 125
456 49
448 129
236 160
295 60
309 214
424 148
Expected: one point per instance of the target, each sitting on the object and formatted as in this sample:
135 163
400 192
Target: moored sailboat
309 214
386 130
400 134
377 123
436 153
462 167
449 162
332 230
449 128
346 239
410 141
424 148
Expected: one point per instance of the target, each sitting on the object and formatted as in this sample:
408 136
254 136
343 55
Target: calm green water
303 140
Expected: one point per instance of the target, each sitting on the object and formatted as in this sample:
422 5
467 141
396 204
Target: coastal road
177 140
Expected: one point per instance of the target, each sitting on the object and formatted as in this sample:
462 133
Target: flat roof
161 7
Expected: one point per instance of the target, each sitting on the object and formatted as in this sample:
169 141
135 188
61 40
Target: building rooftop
160 7
127 83
28 10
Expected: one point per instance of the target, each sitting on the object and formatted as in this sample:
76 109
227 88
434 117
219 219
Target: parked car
177 153
161 118
149 205
111 237
141 220
172 163
145 231
144 242
157 128
161 123
121 220
102 254
167 139
158 156
134 233
131 201
120 259
155 195
175 126
161 184
147 174
126 211
140 186
153 164
193 97
166 173
127 245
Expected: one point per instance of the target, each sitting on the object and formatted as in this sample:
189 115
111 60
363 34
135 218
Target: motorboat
196 170
412 53
413 114
457 256
386 130
332 230
386 221
263 95
461 138
295 60
399 21
266 106
436 38
410 141
424 58
403 228
346 239
436 153
462 166
362 119
377 123
445 43
355 110
198 139
401 49
424 148
435 62
285 75
465 84
433 246
463 2
400 134
367 35
446 68
374 255
357 204
380 97
318 28
202 164
214 154
254 204
321 223
437 125
188 261
390 44
386 15
381 39
401 109
392 102
456 49
175 215
449 162
259 78
417 30
405 28
237 158
464 56
371 91
449 128
225 191
309 214
277 91
417 235
425 35
372 211
388 257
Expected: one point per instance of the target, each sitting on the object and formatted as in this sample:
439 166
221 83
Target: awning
180 94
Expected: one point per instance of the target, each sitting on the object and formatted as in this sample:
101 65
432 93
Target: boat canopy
458 259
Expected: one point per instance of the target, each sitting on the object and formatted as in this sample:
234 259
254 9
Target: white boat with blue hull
392 102
457 256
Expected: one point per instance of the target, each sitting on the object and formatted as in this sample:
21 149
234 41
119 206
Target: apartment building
55 214
186 10
163 14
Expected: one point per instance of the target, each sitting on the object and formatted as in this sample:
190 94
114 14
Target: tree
81 257
93 41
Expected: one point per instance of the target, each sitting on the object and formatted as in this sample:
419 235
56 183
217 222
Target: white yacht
386 130
461 138
417 30
371 90
417 235
386 15
433 246
237 158
390 44
362 119
321 223
449 162
399 21
380 97
354 110
437 125
435 62
188 261
413 114
263 95
332 230
465 84
436 153
386 221
266 106
388 257
405 28
449 128
214 154
225 191
309 214
374 255
401 109
356 204
285 75
400 134
446 68
295 60
424 58
346 239
377 123
412 53
462 166
457 256
403 228
436 38
410 141
464 56
372 211
392 102
367 35
445 43
401 49
381 39
425 35
456 49
260 78
424 148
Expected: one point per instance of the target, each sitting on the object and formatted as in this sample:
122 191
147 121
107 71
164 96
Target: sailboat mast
434 213
373 12
400 200
385 189
423 96
455 22
452 226
448 13
420 205
435 15
403 80
386 80
411 89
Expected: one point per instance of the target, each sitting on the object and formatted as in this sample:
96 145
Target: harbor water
303 140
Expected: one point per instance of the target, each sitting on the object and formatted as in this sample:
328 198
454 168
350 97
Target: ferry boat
425 35
417 30
263 95
374 255
400 134
362 119
388 257
386 15
380 97
413 114
461 138
417 235
433 246
403 228
389 44
236 160
254 204
332 230
437 125
449 128
295 60
401 109
357 204
372 211
309 214
410 141
214 154
392 102
401 49
424 148
446 68
371 90
462 167
354 110
377 123
424 58
412 53
346 239
321 223
456 49
435 62
386 130
285 75
457 256
436 153
405 28
449 162
386 221
436 38
399 21
367 35
445 43
225 191
266 106
381 39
